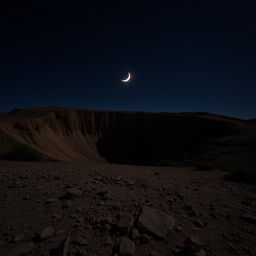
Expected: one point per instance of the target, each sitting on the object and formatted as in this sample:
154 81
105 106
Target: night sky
185 56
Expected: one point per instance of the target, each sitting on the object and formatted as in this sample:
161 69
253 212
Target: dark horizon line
138 111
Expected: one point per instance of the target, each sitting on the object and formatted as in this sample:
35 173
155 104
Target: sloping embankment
119 137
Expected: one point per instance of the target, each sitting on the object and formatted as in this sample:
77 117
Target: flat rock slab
155 222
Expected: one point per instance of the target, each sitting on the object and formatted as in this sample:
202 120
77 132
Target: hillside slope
129 137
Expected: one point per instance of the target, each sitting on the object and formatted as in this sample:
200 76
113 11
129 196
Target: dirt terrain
88 209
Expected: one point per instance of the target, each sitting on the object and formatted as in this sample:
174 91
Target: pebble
46 233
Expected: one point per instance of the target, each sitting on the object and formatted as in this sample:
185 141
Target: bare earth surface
81 205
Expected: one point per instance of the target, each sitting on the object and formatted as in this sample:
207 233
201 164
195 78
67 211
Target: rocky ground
103 209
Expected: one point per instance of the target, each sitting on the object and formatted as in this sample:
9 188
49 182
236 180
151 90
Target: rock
198 223
50 200
108 227
179 229
154 253
126 247
200 253
60 232
81 241
231 246
79 210
73 216
67 204
73 193
192 244
21 249
178 251
125 223
155 222
103 195
23 176
18 238
190 210
135 235
82 252
248 218
108 241
46 233
56 217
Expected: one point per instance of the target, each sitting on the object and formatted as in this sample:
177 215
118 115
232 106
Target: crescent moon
127 79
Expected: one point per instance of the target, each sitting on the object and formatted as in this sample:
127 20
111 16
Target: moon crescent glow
127 79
